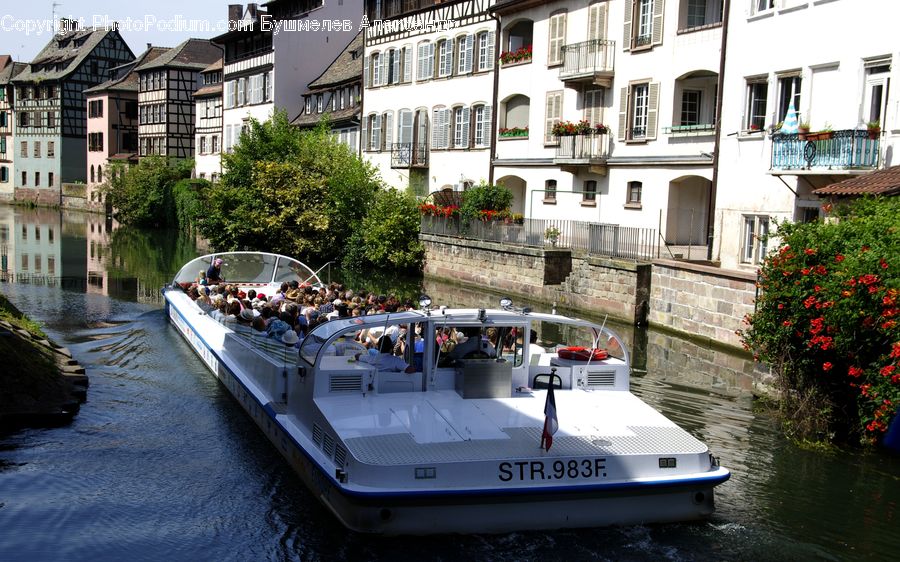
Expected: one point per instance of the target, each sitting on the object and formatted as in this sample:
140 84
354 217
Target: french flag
551 422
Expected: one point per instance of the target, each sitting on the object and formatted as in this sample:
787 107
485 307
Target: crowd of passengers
295 309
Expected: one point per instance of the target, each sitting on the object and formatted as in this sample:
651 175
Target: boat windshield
249 267
313 343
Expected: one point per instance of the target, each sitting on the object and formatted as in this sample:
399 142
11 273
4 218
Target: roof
344 68
128 82
209 90
882 182
62 50
10 71
218 65
196 54
335 117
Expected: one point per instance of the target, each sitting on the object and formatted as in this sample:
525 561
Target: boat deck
441 426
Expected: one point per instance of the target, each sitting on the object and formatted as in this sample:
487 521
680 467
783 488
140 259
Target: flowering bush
519 55
431 210
583 127
551 233
826 321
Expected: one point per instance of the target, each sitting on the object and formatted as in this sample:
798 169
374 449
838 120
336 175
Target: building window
593 106
557 38
482 120
24 119
461 127
465 45
24 179
639 109
788 92
762 5
51 149
50 179
877 80
23 149
37 149
643 22
425 67
552 116
267 81
202 145
37 179
374 123
550 191
215 144
387 130
93 179
486 51
394 66
95 108
757 93
241 91
95 142
51 119
440 130
4 174
703 12
589 192
753 248
690 107
99 173
445 58
320 103
633 196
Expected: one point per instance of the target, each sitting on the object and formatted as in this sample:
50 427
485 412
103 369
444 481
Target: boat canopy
250 267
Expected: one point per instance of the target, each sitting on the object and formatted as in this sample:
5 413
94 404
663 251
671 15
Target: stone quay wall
699 301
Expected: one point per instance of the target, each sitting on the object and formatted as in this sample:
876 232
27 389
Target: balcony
589 149
848 150
589 62
409 155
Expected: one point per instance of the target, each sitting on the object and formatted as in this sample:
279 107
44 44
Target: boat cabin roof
250 268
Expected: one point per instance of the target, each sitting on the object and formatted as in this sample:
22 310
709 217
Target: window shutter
557 38
376 69
466 115
376 133
629 13
487 131
395 66
388 129
367 73
406 126
490 56
436 129
657 33
385 68
447 113
652 109
593 106
597 20
429 54
553 114
623 114
420 66
407 63
365 134
465 55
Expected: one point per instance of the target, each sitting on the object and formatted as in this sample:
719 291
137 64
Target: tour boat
486 433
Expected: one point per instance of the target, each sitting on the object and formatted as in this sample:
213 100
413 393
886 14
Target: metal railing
409 155
591 146
588 58
610 240
838 150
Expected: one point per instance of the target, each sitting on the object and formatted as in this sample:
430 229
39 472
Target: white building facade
837 84
428 93
208 127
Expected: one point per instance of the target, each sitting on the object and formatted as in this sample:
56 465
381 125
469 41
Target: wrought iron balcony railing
585 148
588 59
409 155
850 149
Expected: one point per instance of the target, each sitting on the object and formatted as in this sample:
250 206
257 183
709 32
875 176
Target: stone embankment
40 384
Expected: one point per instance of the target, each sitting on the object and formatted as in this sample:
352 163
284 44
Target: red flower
889 324
805 271
883 264
809 251
787 323
855 372
887 370
826 366
895 350
809 302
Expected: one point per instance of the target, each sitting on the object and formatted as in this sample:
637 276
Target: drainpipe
362 95
495 109
720 88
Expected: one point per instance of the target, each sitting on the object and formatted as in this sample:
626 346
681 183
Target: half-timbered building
335 95
428 104
208 129
8 71
265 70
166 98
51 113
112 123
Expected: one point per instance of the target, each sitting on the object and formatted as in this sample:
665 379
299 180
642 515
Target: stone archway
517 186
687 214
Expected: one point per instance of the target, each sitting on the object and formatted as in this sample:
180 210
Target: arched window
461 116
99 173
92 173
516 112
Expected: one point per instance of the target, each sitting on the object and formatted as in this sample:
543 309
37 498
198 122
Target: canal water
161 462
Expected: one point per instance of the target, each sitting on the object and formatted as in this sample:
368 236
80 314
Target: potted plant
601 129
803 130
874 129
552 234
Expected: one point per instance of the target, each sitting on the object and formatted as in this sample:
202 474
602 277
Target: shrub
484 197
388 236
142 194
826 320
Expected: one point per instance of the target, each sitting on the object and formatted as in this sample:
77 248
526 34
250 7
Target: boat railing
274 349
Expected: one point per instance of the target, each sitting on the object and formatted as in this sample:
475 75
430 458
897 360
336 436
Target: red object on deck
577 353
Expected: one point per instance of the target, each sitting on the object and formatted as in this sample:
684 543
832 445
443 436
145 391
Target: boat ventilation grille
328 446
345 383
601 378
317 435
340 455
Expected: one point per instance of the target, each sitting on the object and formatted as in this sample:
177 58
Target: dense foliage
485 199
143 194
301 193
827 321
388 236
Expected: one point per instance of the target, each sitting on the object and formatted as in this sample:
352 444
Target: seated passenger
214 273
475 345
386 360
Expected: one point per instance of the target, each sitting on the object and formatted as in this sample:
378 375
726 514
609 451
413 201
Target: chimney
149 46
235 12
251 11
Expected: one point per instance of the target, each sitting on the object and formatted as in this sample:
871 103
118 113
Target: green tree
388 235
300 193
484 197
826 322
142 194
